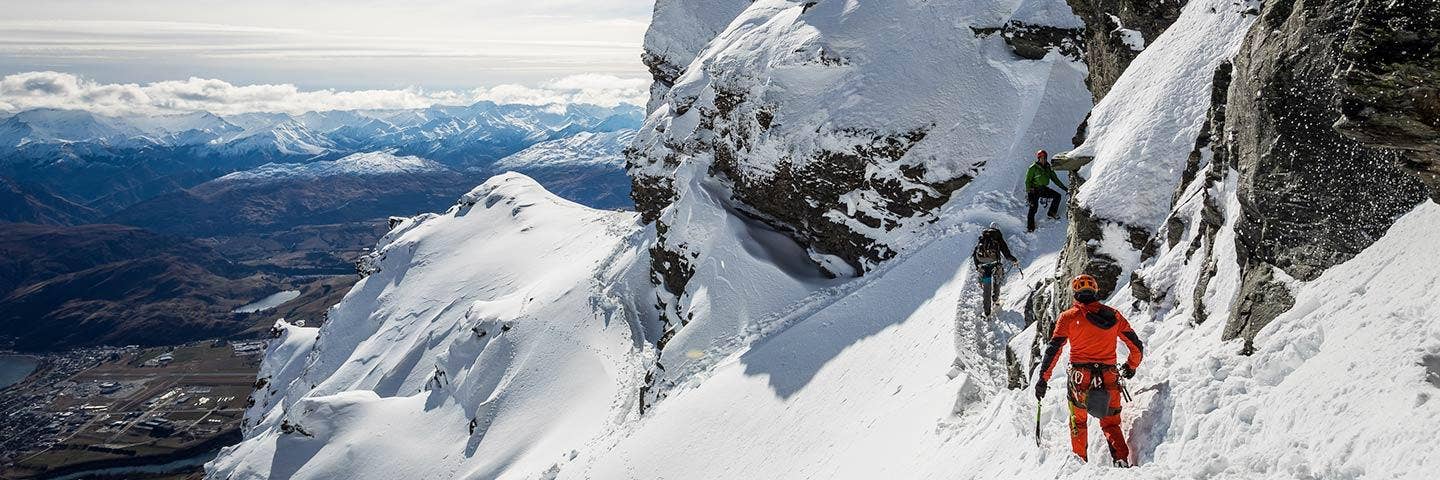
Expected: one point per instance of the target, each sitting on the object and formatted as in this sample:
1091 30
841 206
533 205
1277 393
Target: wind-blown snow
360 164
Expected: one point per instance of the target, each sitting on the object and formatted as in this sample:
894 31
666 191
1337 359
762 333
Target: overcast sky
433 45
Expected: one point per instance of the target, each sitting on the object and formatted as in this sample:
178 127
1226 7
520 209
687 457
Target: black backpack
987 250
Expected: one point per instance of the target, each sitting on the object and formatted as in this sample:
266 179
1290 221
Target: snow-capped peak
584 148
360 164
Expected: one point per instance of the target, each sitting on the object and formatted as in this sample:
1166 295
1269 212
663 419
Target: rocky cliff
1390 86
822 125
1310 197
1311 193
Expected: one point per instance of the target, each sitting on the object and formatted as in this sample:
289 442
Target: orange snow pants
1083 378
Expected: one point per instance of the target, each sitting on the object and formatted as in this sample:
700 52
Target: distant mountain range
127 223
587 167
280 196
54 161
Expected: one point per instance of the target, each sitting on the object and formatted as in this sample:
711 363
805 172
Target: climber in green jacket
1037 183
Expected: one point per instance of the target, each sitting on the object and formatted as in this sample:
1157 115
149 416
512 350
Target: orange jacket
1091 329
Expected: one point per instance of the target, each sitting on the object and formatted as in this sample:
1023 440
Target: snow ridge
506 342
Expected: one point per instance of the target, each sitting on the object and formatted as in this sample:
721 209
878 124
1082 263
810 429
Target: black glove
1127 372
1040 390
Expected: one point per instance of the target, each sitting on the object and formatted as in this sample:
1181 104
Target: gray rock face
1209 142
1390 90
796 199
1082 255
1310 197
1106 52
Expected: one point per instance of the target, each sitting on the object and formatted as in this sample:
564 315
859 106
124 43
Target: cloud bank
29 90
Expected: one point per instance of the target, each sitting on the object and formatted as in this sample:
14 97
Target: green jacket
1040 176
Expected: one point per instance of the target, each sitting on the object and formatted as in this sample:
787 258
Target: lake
14 368
269 302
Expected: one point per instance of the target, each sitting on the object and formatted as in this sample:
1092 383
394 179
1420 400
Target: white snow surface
584 148
500 310
681 29
370 163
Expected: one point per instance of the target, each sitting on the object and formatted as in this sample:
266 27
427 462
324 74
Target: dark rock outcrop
1033 42
801 199
1390 87
1105 50
1310 197
1208 143
1082 253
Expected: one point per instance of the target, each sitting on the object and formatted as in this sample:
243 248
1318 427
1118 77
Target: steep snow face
372 163
1141 136
832 132
864 386
1145 138
584 148
490 339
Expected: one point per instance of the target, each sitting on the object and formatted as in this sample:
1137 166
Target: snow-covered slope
811 184
372 163
488 339
62 126
1141 137
287 138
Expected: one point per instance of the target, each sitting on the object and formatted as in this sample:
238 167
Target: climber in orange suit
1092 330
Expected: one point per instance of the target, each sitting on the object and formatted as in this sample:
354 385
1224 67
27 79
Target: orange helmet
1042 154
1084 282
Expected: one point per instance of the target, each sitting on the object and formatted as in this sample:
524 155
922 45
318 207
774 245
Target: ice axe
1038 405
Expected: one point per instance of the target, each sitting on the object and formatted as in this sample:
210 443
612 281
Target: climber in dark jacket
1037 183
990 249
